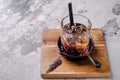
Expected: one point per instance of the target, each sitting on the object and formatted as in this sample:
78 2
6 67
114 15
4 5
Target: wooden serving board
78 69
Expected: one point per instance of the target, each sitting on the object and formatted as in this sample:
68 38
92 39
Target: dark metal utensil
96 63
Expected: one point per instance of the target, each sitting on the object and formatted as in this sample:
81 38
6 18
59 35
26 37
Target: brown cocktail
75 39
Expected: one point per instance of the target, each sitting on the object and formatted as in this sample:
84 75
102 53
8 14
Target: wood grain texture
78 69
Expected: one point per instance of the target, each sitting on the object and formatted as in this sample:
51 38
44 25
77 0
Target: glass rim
77 15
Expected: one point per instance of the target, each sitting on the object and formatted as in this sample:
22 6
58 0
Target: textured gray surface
22 22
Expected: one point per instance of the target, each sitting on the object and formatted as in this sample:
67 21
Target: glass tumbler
75 39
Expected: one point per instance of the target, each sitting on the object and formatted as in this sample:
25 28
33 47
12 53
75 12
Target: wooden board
68 69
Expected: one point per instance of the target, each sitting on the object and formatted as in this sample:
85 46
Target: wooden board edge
68 76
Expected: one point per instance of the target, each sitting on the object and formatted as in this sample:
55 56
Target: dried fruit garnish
54 65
